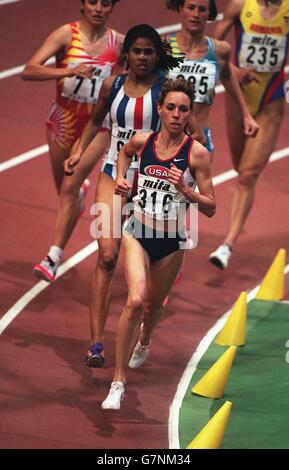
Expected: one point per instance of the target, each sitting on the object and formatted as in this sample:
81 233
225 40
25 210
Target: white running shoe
220 257
82 194
139 355
46 269
113 399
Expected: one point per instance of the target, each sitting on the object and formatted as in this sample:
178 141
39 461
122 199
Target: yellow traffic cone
234 331
272 287
212 435
212 384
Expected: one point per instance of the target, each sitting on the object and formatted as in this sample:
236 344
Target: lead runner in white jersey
170 163
131 101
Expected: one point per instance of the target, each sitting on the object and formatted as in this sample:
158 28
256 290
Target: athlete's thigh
108 211
57 156
258 149
136 265
235 129
162 274
87 163
94 152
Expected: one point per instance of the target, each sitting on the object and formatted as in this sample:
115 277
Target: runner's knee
69 189
248 177
134 304
107 259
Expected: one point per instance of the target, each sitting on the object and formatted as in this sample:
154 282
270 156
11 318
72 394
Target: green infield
258 385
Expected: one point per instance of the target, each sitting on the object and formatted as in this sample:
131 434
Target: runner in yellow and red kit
87 52
262 31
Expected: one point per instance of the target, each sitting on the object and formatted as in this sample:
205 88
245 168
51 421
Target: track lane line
6 2
19 306
23 157
174 441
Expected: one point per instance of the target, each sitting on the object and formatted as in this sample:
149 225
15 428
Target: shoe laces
139 350
96 348
115 388
49 260
225 249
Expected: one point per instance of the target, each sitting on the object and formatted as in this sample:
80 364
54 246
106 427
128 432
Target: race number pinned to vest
202 75
119 137
263 53
157 198
85 90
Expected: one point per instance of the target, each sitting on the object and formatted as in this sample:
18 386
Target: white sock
55 253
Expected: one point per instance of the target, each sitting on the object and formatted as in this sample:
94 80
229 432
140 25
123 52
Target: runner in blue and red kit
131 100
170 163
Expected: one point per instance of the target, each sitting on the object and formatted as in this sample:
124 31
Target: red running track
48 398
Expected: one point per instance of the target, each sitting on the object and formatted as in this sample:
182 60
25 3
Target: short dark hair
181 85
175 5
166 60
112 1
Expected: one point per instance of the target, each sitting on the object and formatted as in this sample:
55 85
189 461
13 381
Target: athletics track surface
48 398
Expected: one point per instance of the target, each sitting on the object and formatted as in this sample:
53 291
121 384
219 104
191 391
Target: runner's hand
81 70
175 177
251 127
246 76
70 163
122 186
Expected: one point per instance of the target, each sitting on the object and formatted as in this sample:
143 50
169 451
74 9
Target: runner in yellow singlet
262 31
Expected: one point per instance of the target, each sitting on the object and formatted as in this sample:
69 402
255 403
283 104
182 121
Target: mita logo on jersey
156 171
125 135
195 68
157 184
264 41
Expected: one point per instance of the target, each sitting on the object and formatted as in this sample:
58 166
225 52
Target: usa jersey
156 196
130 115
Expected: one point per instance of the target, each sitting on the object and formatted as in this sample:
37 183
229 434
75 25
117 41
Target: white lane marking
34 152
12 313
6 2
173 28
230 174
18 69
37 152
17 308
24 157
174 442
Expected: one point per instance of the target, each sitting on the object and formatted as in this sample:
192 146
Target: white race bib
157 198
85 90
119 137
262 53
203 75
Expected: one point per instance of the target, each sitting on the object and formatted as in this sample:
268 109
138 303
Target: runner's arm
55 44
126 154
200 162
231 13
101 109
